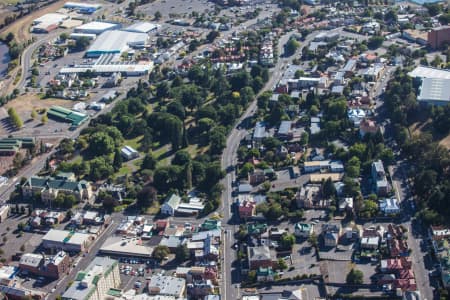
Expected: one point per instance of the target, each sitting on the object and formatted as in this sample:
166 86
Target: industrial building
83 8
434 91
48 22
66 115
116 42
68 241
428 72
96 27
124 69
78 35
100 276
143 27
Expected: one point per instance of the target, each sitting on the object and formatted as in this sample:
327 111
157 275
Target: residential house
389 206
260 133
331 233
247 208
303 230
379 178
257 177
367 126
308 196
346 204
129 153
370 242
171 205
265 274
439 233
285 130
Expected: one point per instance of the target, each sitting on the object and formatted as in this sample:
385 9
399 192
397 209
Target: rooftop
435 89
166 285
428 72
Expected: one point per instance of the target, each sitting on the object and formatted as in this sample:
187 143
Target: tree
82 43
146 196
355 277
217 140
160 252
117 162
282 265
158 15
14 117
328 188
33 114
291 46
353 167
375 42
44 119
287 241
100 143
63 36
370 209
149 161
182 253
212 35
181 158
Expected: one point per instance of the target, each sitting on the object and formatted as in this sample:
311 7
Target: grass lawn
123 171
154 209
134 143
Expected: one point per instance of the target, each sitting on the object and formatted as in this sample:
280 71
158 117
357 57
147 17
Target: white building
116 42
170 205
435 91
389 206
66 240
129 153
93 283
167 286
96 27
143 27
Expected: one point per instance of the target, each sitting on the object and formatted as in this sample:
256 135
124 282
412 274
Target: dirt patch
21 27
445 142
25 103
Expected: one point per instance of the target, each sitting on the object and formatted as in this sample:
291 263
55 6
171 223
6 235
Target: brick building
438 36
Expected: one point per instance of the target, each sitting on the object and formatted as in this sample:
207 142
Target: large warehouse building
83 8
96 27
116 42
143 27
48 22
124 69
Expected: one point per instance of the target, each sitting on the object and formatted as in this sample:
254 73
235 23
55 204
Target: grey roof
428 72
378 166
31 259
259 253
166 285
116 41
260 131
173 201
285 127
435 89
337 89
245 188
172 241
350 65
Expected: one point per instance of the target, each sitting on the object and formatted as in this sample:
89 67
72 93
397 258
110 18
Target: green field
6 2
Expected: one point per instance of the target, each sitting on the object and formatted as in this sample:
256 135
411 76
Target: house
4 212
247 208
260 133
128 153
285 130
49 188
331 233
314 127
389 206
303 230
170 205
379 178
259 256
308 196
346 204
356 115
367 126
370 242
439 232
245 188
95 281
315 166
257 177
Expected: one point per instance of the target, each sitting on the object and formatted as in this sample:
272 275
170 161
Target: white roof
52 18
132 68
428 72
115 245
144 27
434 89
117 40
100 26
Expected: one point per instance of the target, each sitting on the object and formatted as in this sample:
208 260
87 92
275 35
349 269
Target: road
229 284
87 259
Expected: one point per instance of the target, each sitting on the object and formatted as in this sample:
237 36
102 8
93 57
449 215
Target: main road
230 281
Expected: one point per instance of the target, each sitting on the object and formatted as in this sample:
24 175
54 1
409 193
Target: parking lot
135 273
177 7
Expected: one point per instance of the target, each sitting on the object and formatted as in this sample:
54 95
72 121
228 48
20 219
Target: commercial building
83 7
422 72
40 265
49 188
116 246
438 36
78 35
116 42
143 27
434 91
96 27
129 153
48 22
125 69
94 283
68 241
67 115
259 257
167 286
